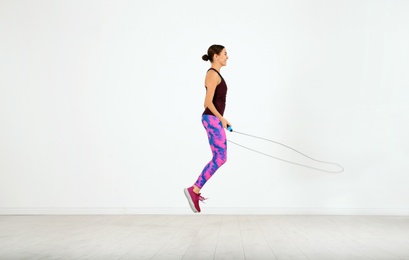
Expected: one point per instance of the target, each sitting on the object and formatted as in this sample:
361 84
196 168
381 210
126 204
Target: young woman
213 121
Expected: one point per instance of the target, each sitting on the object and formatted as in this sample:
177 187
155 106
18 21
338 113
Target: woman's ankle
196 189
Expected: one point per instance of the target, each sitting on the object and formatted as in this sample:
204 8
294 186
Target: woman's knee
222 159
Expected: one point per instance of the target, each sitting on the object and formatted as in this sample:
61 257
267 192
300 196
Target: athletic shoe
193 199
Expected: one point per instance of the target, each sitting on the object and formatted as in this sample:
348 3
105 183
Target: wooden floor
204 237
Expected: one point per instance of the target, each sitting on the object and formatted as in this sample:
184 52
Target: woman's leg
218 145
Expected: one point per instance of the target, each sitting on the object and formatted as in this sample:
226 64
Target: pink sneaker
193 199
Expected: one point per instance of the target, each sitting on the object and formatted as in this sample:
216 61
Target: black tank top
219 98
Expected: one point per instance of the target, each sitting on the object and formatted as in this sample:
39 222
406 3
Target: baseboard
210 211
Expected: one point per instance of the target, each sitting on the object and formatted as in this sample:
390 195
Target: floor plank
229 243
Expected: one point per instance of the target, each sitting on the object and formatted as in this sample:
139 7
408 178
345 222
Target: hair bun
205 57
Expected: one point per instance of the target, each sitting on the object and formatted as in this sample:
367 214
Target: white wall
100 105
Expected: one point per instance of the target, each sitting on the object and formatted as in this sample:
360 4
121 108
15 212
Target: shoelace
202 199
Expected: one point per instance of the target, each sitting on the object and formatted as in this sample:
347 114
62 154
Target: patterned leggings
218 145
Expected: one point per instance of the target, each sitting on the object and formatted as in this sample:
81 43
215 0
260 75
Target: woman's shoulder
214 76
214 73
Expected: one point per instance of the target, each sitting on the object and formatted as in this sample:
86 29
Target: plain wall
101 101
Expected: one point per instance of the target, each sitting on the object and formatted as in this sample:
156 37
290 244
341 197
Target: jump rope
341 169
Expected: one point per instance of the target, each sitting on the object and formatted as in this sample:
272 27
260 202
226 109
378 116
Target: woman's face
222 57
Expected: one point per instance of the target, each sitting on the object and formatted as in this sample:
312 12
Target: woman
213 121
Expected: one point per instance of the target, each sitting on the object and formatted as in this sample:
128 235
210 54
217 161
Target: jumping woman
213 121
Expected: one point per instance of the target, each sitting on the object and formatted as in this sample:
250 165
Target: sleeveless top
219 98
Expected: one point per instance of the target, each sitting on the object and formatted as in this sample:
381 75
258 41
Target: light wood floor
204 237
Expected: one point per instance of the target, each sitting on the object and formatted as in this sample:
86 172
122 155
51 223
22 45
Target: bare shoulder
213 76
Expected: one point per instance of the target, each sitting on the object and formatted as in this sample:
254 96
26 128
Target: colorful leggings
218 145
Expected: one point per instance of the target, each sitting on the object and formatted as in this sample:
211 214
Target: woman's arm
211 82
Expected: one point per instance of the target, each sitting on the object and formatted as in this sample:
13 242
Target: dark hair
214 49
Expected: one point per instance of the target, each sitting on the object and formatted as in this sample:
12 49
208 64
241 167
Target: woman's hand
225 123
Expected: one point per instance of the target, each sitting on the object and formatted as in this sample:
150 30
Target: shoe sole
189 199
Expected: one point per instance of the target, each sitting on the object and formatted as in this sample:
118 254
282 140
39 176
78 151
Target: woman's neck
216 67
